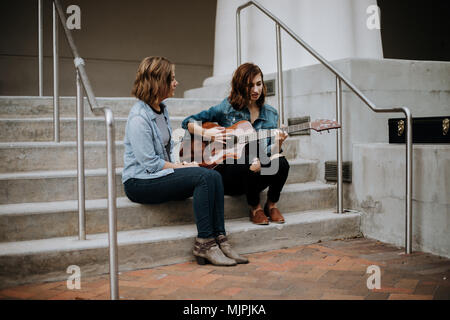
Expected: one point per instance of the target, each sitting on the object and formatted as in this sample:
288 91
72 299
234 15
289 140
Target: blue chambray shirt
225 115
144 150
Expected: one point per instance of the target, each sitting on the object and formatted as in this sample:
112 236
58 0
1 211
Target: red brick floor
328 270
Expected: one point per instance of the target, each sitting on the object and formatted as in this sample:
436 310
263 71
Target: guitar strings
266 133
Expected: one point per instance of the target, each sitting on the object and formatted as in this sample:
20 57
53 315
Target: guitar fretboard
266 133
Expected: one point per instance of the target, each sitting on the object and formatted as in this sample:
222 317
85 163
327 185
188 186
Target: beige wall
115 35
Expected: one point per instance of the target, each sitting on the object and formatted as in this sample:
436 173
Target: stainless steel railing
82 81
56 124
40 48
339 79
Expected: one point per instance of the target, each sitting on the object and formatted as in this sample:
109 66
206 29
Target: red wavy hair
241 84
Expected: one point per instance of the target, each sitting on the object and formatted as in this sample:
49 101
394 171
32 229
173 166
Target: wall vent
299 120
270 86
331 171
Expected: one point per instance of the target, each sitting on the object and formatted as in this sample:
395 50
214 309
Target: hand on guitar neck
280 136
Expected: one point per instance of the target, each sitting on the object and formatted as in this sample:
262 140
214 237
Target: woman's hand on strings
216 134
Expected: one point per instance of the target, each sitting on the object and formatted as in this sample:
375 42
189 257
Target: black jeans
239 179
204 185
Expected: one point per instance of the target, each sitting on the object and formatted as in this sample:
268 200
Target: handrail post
40 48
238 37
55 76
112 212
279 77
409 177
80 160
110 155
340 197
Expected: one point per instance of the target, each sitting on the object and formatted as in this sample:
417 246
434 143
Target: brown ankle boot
225 246
258 217
207 250
274 214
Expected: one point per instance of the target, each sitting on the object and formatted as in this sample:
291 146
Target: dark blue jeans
204 185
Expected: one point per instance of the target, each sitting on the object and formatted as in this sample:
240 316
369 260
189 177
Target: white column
326 25
336 29
225 37
367 42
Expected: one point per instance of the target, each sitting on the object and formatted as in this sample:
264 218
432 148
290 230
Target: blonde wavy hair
153 79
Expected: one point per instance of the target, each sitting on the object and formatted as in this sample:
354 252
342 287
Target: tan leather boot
225 246
207 250
274 214
258 217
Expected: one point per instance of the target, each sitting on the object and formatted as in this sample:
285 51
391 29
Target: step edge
73 119
32 208
49 174
54 174
159 234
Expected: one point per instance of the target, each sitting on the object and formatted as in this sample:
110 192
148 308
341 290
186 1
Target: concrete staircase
38 206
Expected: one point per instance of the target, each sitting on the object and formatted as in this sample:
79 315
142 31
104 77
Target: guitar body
210 154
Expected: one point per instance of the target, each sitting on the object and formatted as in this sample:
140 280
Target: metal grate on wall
331 171
270 87
299 120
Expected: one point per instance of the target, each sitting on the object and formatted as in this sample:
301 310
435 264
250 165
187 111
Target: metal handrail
339 79
40 48
82 79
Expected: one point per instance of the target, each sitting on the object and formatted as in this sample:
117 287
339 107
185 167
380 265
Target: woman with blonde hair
150 176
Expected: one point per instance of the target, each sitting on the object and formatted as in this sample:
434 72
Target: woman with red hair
246 102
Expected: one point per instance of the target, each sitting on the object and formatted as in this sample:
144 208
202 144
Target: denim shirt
144 150
225 115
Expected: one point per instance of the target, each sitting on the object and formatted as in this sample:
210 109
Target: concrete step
32 106
42 156
41 129
48 259
47 186
28 221
213 87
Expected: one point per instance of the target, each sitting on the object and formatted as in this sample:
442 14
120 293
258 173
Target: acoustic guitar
209 154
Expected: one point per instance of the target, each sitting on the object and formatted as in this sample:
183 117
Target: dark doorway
415 30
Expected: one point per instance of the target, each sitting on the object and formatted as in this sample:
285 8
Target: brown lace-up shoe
207 250
274 214
225 246
258 217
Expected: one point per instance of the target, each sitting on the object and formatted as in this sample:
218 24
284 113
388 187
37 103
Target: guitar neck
266 133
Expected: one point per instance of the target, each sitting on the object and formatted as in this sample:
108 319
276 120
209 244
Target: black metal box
425 130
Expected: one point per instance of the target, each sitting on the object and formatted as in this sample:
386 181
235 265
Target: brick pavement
328 270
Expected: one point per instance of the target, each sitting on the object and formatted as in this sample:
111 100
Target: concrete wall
115 35
378 189
422 86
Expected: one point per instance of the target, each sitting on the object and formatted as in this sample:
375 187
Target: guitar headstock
324 124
